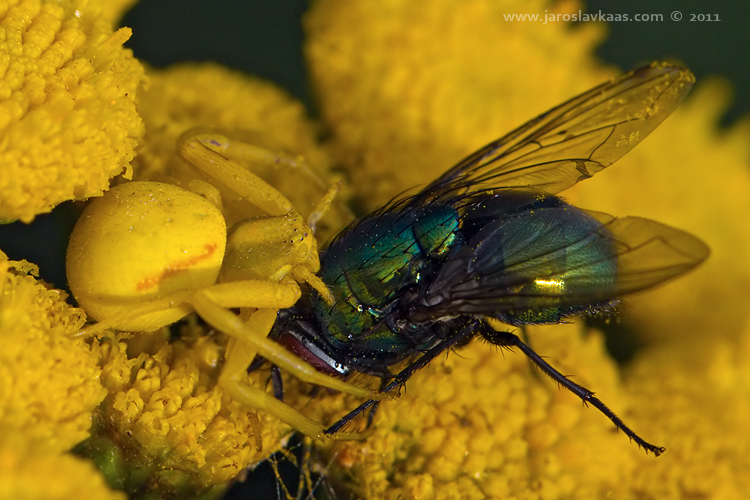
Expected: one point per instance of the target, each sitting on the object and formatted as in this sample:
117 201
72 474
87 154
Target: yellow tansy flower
696 394
481 423
115 9
49 381
409 88
67 103
170 423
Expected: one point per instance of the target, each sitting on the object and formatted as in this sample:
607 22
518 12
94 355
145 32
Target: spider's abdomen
140 242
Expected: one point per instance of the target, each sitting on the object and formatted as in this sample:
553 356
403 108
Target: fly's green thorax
386 254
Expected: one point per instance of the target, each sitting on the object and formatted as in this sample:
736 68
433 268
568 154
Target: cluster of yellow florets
50 381
434 81
28 470
482 423
696 393
168 413
49 390
67 103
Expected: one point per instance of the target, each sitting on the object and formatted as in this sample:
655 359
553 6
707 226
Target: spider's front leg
223 160
249 338
213 305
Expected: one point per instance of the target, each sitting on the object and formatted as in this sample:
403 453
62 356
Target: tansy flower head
49 380
482 423
67 103
697 395
433 81
174 430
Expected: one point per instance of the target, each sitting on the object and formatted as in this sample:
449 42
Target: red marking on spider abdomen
176 268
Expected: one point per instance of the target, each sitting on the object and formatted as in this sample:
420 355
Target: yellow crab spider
146 254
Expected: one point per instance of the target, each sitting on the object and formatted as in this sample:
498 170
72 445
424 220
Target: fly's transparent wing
542 264
573 141
650 253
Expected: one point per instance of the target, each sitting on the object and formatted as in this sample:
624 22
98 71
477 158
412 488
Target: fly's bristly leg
507 339
277 382
525 337
460 336
349 417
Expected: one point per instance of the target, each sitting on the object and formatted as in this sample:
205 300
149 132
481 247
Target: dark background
265 38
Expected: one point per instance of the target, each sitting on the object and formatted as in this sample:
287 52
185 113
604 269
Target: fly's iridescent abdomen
532 258
489 239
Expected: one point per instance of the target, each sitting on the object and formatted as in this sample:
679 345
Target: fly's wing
528 269
573 141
